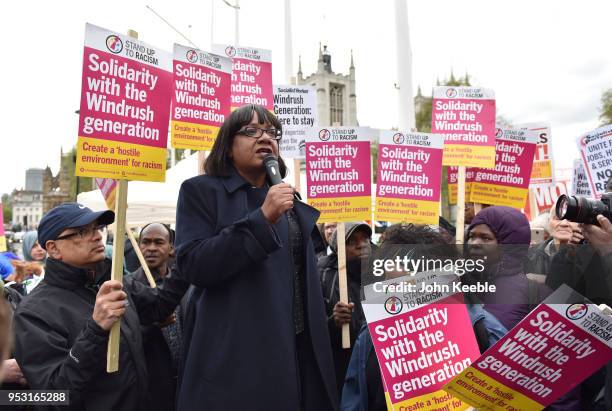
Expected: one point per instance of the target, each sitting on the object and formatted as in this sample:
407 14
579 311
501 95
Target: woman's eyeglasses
258 132
84 232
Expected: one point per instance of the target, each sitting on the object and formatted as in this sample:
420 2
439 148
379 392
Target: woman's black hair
219 163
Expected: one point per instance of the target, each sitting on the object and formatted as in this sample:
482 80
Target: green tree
605 114
7 208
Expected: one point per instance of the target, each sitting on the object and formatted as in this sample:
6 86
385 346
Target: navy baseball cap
69 215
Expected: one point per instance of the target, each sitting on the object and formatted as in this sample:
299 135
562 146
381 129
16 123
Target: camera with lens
583 210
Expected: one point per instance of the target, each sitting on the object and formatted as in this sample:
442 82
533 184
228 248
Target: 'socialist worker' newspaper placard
125 107
338 173
296 109
466 118
201 99
420 349
251 75
595 149
548 353
580 183
542 172
508 183
409 174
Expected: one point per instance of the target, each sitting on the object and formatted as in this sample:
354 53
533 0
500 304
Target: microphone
272 169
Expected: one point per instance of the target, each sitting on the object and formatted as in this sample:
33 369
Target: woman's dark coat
241 351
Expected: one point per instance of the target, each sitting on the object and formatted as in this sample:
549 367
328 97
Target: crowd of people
246 311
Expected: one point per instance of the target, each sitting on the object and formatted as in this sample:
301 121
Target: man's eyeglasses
258 132
83 232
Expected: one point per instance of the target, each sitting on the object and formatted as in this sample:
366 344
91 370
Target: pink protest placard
420 350
251 75
125 107
466 118
508 183
201 97
408 178
338 174
548 353
595 149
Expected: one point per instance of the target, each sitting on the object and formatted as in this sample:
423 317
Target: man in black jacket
62 327
161 341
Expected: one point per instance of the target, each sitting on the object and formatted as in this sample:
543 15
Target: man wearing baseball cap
62 327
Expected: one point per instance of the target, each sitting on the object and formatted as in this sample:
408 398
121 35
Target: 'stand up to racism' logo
324 135
230 51
398 138
498 132
192 56
393 305
114 44
576 311
451 93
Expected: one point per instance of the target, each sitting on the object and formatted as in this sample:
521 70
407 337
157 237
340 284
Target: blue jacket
355 392
240 342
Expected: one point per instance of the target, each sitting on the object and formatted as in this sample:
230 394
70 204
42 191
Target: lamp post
236 8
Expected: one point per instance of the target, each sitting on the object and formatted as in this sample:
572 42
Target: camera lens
576 209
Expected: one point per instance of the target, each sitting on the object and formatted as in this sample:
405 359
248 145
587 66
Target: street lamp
236 8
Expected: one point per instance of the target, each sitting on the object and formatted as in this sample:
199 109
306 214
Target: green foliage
605 115
7 208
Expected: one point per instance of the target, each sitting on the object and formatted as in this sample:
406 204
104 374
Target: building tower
336 96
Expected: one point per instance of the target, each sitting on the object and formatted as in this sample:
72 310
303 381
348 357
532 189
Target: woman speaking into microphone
256 333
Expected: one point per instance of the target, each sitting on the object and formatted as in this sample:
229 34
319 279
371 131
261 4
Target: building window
336 92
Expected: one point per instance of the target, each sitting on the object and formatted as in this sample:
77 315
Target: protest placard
201 97
549 352
420 347
296 109
508 183
251 75
451 181
542 172
408 177
338 173
546 195
2 234
595 149
580 183
466 118
125 108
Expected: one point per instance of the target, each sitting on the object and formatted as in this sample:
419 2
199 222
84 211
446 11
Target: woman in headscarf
501 236
35 257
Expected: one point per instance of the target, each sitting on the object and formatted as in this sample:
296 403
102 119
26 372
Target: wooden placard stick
342 283
112 354
460 205
143 263
477 208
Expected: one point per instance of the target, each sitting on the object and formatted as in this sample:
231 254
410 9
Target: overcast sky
546 60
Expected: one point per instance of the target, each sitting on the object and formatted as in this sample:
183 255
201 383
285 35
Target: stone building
27 208
336 96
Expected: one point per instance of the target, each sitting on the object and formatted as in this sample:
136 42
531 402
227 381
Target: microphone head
268 158
272 169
